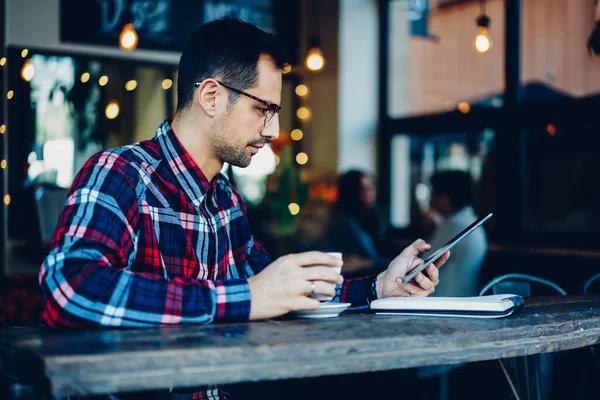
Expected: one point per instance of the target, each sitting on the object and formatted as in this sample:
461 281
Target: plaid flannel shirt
145 240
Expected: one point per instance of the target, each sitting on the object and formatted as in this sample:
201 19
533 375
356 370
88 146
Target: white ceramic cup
323 297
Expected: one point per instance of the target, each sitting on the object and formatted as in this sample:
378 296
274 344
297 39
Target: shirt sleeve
257 257
359 292
86 281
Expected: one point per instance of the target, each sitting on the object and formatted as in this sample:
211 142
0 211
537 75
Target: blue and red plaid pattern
145 239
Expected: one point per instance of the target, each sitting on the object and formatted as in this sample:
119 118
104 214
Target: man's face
240 131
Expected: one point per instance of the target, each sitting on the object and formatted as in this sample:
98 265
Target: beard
228 151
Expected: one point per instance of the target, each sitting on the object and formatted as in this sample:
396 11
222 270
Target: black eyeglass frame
273 108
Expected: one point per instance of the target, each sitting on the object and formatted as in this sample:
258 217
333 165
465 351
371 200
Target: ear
207 95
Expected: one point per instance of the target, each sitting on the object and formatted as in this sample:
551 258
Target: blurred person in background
451 199
356 228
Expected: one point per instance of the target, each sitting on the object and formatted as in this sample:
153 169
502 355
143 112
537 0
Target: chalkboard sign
167 24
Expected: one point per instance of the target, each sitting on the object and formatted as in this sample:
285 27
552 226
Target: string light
2 61
3 163
296 135
85 77
303 113
128 40
464 107
314 59
130 85
167 83
294 208
27 72
482 42
10 94
112 110
286 69
301 90
302 158
24 53
103 80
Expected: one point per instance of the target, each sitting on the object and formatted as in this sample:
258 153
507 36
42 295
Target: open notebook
493 306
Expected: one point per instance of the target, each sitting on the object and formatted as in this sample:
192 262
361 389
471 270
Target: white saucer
325 310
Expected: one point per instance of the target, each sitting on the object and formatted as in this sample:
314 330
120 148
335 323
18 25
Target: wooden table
121 360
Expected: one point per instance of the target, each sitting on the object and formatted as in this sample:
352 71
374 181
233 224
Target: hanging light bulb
314 59
482 42
128 40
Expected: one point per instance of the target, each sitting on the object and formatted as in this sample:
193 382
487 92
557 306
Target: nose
271 132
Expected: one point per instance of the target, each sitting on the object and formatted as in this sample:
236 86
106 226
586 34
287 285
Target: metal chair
589 282
517 284
586 287
537 369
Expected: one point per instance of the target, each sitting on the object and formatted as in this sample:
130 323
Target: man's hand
283 285
389 282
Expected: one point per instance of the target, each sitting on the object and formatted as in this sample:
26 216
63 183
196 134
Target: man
451 198
152 234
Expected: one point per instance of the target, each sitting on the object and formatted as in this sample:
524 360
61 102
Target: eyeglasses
269 112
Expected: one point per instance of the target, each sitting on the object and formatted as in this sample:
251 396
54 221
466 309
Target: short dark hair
458 185
226 49
349 190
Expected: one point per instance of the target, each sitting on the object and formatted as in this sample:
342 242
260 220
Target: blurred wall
400 59
321 19
554 52
35 23
344 95
150 103
358 85
340 135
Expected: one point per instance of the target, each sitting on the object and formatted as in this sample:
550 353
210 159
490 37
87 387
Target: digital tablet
453 242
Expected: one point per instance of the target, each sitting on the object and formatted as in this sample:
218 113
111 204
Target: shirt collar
186 171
